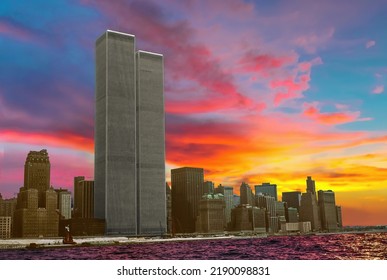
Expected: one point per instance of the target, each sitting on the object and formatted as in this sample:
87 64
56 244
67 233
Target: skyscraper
129 137
247 196
35 213
83 198
293 199
267 189
228 194
187 189
328 211
310 185
64 203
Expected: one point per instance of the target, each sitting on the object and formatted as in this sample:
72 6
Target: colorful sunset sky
255 91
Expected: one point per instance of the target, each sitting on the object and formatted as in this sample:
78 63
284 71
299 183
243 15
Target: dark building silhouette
169 207
7 210
328 210
228 195
267 189
248 218
211 215
246 193
208 187
309 211
129 137
293 199
83 198
187 189
36 209
310 185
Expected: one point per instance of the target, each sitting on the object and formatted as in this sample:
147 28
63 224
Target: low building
5 227
211 216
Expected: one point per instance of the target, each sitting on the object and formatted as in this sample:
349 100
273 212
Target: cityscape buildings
327 207
211 216
293 199
36 209
129 137
228 199
267 189
246 193
187 189
64 203
83 198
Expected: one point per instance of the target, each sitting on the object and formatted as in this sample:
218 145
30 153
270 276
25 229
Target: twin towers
129 137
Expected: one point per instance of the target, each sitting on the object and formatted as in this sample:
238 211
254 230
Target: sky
255 91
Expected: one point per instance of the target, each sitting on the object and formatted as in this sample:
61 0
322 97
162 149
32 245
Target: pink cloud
378 89
330 118
18 32
311 42
370 44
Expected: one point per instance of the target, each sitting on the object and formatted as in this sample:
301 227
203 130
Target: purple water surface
311 247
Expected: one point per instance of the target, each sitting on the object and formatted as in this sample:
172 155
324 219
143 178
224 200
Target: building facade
247 196
293 199
187 190
211 214
228 194
129 137
64 203
84 199
36 208
328 211
267 189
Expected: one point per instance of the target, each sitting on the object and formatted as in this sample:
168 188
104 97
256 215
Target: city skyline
288 95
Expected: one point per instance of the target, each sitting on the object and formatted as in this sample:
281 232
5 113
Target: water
312 247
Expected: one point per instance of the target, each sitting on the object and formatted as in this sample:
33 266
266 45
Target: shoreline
57 242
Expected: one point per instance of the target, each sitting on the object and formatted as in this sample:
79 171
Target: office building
208 187
293 199
211 214
169 207
236 200
248 218
339 217
83 198
5 227
129 137
309 211
267 189
292 215
228 194
328 211
310 185
246 193
269 204
36 209
64 203
187 190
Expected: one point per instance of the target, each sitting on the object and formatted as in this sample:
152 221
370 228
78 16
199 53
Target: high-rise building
339 217
267 189
268 202
310 185
36 207
64 203
245 217
228 194
208 187
211 214
169 207
83 198
309 211
246 193
78 196
328 211
37 173
187 189
129 137
7 209
292 215
5 227
236 200
293 199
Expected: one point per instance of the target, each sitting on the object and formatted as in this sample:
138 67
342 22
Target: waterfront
351 246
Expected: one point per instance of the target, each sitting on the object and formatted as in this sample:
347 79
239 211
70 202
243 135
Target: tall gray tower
129 137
